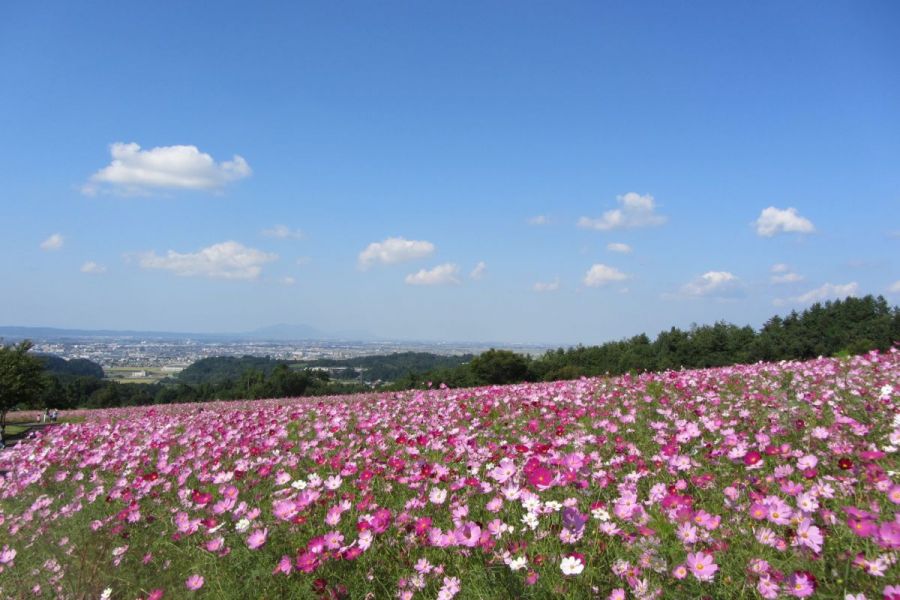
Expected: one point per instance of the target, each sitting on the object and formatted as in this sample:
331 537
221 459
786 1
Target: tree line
840 327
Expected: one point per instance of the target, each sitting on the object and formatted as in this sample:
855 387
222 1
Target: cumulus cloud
618 247
542 287
600 274
539 220
712 284
283 232
226 260
444 274
781 273
54 242
824 292
786 278
136 171
92 268
478 271
776 220
635 210
394 250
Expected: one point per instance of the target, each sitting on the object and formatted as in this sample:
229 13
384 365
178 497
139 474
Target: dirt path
13 439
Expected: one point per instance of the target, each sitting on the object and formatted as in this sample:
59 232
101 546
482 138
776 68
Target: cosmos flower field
767 480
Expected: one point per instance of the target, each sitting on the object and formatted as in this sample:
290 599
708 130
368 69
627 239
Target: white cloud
824 292
136 171
287 280
226 260
551 286
304 260
712 284
394 250
440 275
776 220
54 242
478 271
895 287
786 278
539 220
618 247
635 211
600 274
781 273
92 268
283 232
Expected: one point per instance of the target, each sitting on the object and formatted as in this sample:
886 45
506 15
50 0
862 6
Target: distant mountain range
280 333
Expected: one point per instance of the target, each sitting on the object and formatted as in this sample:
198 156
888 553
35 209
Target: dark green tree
497 367
21 378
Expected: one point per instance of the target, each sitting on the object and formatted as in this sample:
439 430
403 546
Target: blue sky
349 165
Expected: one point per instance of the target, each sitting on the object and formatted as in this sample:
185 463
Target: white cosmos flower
571 565
242 525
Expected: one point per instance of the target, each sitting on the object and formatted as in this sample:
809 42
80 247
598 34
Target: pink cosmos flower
702 565
468 534
801 585
889 535
809 535
861 526
307 562
257 538
284 566
215 544
891 592
194 582
894 494
284 509
759 511
7 555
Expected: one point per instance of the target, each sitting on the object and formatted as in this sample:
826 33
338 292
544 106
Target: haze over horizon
551 174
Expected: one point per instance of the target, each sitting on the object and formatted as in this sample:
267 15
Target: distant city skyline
544 175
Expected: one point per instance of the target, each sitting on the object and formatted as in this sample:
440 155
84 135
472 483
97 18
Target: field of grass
126 374
766 480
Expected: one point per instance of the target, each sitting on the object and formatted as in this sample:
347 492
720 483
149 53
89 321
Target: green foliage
21 378
850 326
74 367
497 367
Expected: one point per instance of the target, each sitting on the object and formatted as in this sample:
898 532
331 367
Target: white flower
571 565
520 562
531 503
107 593
437 495
531 520
600 514
242 525
299 485
886 391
